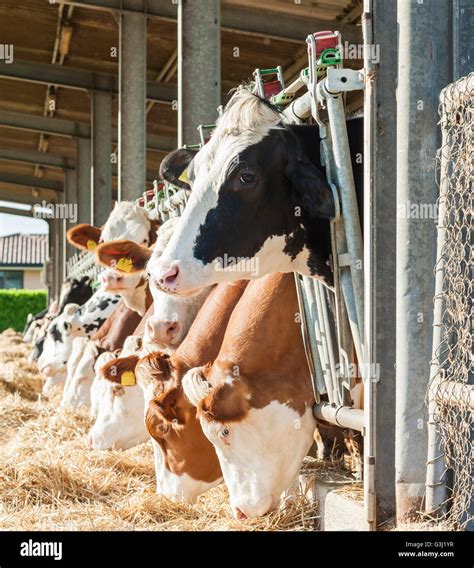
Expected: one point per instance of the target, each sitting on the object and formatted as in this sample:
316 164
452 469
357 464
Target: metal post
132 101
424 68
380 31
199 66
463 24
84 180
101 109
71 200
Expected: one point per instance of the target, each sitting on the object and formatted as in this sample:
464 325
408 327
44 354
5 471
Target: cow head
126 221
172 315
185 462
57 348
260 446
258 204
119 423
80 374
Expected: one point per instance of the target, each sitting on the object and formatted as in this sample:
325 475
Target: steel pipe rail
343 416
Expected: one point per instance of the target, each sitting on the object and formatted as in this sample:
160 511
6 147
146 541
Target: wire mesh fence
451 387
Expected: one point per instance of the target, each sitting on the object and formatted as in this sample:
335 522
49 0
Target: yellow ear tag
91 245
124 264
128 379
184 176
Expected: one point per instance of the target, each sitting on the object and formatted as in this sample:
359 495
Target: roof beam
69 77
236 19
23 194
14 211
35 157
49 160
30 181
71 129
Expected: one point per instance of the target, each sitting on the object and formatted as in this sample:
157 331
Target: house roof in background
23 250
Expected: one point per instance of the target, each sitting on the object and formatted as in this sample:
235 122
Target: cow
110 337
72 291
80 373
185 462
259 202
172 316
255 401
75 321
119 420
126 221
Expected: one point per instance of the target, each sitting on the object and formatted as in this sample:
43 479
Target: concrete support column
132 102
84 180
101 154
199 66
424 68
71 200
380 129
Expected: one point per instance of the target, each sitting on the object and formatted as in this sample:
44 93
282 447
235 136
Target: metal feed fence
162 203
450 468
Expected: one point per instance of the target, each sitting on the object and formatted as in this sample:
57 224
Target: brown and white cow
185 462
80 369
255 401
172 316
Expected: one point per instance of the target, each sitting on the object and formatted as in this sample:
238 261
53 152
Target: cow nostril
173 330
241 516
169 278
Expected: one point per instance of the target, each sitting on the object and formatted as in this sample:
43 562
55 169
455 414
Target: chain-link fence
450 473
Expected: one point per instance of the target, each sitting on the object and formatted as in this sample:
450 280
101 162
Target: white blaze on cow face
99 384
260 455
242 125
127 221
77 391
172 317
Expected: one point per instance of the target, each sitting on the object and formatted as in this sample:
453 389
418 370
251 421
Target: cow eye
225 432
247 178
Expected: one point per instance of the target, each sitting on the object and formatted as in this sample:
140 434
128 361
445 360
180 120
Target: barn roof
23 250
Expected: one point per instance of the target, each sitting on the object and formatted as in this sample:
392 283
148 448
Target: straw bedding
50 481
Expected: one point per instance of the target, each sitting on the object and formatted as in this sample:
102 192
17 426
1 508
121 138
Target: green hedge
15 305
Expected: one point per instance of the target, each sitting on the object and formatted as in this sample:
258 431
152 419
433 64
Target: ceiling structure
61 49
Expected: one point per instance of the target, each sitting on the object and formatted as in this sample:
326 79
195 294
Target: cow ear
125 256
226 403
84 236
311 189
174 167
70 311
165 406
121 370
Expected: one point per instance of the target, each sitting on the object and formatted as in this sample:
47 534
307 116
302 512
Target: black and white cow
72 291
75 321
260 202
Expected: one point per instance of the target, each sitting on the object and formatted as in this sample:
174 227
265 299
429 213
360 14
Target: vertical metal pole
199 66
424 68
71 200
132 101
380 32
463 46
84 180
101 109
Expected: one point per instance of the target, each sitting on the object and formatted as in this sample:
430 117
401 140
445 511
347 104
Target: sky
11 224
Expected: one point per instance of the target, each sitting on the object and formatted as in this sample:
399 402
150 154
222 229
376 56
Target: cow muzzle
163 332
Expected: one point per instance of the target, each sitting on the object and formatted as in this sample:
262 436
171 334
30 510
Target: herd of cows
193 337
